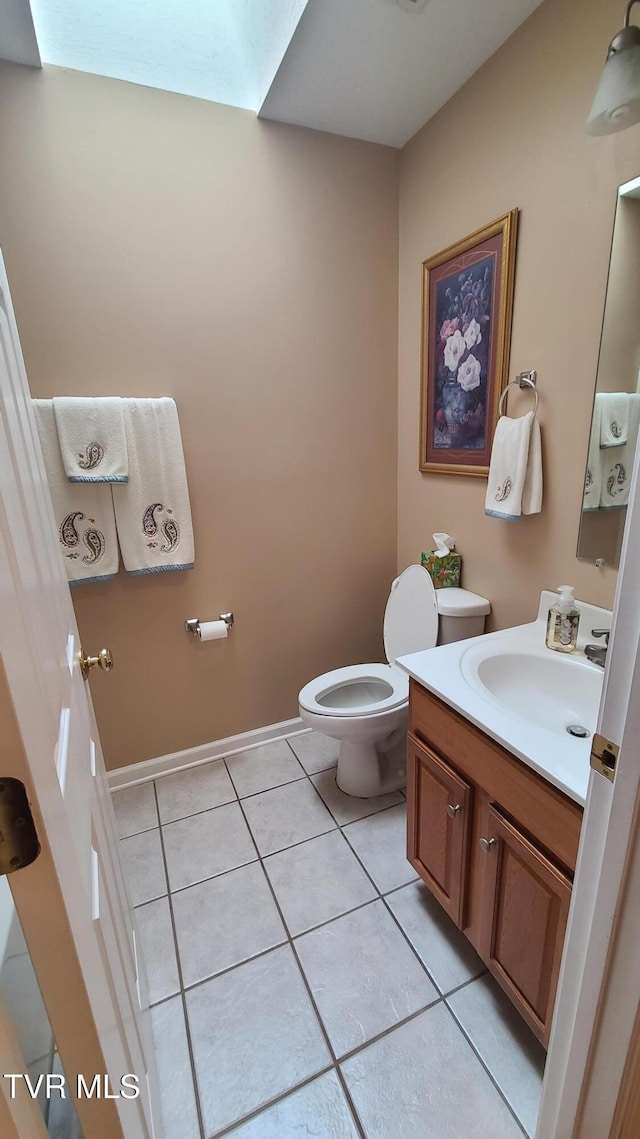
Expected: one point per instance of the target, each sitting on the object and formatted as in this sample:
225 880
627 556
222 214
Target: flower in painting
472 334
453 350
469 374
448 328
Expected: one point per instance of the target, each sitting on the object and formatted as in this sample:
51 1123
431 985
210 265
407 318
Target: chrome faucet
598 653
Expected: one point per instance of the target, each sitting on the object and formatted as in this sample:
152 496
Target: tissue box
445 572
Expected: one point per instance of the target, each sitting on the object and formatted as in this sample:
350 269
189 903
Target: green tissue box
445 572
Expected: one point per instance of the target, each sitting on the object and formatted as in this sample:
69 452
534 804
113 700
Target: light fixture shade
617 102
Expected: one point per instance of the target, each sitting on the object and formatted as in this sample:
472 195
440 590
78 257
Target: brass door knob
104 661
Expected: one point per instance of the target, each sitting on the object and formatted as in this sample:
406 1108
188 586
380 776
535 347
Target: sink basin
546 689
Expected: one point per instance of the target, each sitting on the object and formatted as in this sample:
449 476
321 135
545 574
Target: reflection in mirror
616 408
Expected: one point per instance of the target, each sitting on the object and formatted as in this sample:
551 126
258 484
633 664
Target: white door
599 988
71 901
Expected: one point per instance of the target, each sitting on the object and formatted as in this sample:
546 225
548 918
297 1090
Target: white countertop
559 757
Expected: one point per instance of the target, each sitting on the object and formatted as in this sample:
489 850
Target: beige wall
156 244
514 136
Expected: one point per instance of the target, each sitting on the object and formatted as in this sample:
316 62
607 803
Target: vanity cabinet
496 845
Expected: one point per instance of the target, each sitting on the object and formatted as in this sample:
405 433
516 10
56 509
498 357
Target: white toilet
365 705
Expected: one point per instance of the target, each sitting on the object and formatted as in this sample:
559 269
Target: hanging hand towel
92 439
593 474
617 463
614 418
153 515
515 473
84 514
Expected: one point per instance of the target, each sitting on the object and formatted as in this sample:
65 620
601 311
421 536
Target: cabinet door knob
487 843
453 809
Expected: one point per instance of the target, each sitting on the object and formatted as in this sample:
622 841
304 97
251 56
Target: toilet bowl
365 706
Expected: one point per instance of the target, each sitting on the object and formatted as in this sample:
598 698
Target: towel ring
524 380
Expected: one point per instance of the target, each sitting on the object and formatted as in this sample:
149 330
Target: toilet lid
411 616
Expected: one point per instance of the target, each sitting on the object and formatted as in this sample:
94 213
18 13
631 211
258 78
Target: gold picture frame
467 307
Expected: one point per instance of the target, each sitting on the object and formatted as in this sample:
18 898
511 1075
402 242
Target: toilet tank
462 614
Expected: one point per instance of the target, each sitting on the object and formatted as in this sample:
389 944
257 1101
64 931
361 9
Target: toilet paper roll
213 630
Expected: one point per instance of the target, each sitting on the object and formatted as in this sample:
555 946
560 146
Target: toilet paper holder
193 624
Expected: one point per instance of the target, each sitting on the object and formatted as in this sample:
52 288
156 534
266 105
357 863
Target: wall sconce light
617 102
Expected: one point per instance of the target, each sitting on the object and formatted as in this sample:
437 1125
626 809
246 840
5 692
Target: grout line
350 1104
486 1068
196 1090
272 1103
391 1028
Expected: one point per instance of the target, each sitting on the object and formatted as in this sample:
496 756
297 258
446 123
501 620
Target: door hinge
604 756
19 845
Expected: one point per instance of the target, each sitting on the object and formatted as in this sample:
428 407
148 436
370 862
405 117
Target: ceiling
369 69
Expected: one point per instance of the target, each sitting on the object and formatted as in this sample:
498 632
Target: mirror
616 409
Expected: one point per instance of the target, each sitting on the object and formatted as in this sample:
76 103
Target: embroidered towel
614 418
153 515
83 513
617 463
593 473
515 473
92 439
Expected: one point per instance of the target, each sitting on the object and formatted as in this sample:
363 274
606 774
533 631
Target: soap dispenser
563 622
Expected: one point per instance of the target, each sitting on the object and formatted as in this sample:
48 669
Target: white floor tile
20 994
315 752
445 951
363 976
318 1110
177 1097
135 809
206 844
286 815
154 936
381 843
197 789
263 767
348 808
255 1035
224 921
423 1081
318 880
143 867
509 1049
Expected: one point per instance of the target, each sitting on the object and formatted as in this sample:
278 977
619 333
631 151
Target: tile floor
302 979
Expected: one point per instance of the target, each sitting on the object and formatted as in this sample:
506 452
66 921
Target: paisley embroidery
588 482
92 457
620 479
615 429
504 490
149 524
68 533
95 543
171 532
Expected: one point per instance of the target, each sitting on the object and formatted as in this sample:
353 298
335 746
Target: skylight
227 51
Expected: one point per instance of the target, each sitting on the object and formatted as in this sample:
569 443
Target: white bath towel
593 473
153 515
614 418
92 439
83 513
617 463
515 473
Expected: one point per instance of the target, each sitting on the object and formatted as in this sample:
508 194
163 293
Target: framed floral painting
467 302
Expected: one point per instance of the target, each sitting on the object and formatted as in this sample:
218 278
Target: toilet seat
360 690
357 690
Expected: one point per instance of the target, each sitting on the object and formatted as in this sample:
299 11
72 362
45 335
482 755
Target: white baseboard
193 756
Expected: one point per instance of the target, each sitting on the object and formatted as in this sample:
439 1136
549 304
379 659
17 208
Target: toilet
365 706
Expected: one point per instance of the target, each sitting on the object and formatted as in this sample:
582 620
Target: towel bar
523 380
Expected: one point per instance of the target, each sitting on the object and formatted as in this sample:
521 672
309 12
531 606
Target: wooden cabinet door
439 824
525 903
